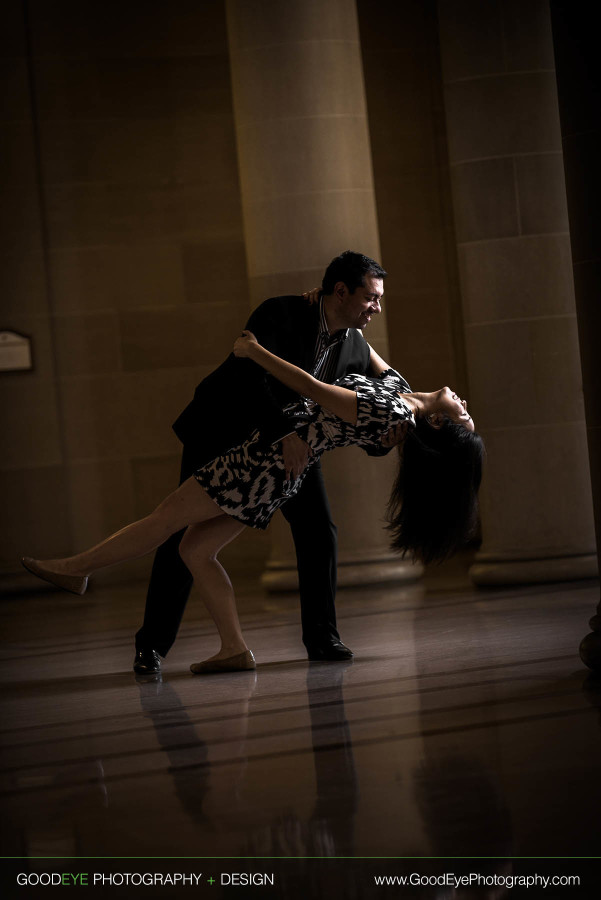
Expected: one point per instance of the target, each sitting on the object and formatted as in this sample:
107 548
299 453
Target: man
323 338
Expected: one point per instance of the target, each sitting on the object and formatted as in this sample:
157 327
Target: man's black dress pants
315 538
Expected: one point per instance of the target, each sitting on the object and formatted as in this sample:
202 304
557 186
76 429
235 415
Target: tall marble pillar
520 323
307 195
575 39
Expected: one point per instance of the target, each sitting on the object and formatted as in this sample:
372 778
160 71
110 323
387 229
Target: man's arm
377 367
339 400
376 364
271 327
271 323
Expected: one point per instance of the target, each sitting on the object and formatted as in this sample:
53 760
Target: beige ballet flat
239 663
75 584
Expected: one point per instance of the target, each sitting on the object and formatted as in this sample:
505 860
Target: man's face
358 308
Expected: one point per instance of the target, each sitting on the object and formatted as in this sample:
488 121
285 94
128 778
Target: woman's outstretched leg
187 505
199 548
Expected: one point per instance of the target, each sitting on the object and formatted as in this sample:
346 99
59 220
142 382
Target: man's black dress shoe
147 662
333 651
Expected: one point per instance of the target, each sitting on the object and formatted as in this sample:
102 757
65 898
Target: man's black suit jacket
240 396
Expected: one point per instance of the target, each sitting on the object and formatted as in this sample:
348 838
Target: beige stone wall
123 196
33 479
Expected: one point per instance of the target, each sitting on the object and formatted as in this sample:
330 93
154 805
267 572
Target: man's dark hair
351 268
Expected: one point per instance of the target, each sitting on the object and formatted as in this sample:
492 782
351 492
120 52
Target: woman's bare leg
199 548
188 505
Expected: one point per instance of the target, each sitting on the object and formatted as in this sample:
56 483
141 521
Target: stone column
307 195
579 86
517 290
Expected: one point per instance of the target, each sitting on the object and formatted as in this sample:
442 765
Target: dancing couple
301 381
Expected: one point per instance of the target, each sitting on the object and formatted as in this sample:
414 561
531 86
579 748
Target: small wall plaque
15 352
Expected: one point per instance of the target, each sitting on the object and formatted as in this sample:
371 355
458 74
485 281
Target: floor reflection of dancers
208 781
458 783
329 830
187 753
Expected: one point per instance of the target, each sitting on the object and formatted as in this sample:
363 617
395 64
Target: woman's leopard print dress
249 481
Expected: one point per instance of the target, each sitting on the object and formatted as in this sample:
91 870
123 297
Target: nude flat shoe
75 584
239 663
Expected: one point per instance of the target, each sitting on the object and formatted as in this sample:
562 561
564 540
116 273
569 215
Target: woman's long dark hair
433 507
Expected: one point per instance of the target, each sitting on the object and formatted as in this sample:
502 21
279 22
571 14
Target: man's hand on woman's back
296 453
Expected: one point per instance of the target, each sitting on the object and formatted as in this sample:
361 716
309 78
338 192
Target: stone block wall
122 256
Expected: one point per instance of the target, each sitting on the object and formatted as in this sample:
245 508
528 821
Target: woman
248 483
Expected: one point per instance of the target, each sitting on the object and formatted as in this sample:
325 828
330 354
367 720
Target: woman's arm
339 400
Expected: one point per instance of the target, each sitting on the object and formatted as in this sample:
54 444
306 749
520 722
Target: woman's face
453 407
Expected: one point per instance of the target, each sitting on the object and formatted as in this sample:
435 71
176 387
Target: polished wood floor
466 725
